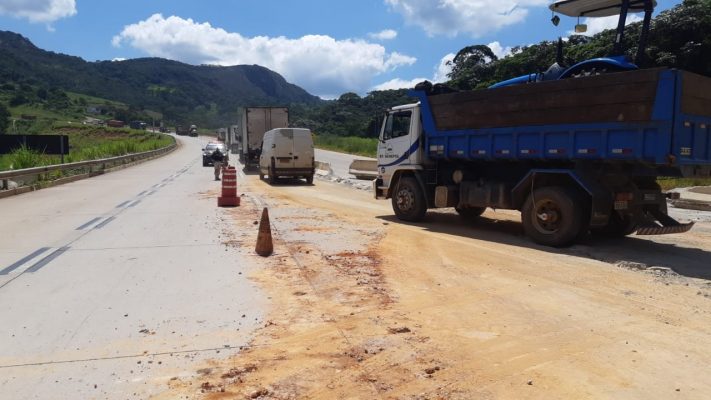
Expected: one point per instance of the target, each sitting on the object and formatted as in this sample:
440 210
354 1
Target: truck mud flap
664 225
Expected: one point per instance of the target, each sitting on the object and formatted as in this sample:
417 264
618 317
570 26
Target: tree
469 66
4 119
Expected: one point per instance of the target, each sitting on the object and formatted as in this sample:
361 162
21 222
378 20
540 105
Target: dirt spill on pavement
331 327
367 309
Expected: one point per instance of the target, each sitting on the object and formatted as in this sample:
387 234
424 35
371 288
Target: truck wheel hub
547 217
405 199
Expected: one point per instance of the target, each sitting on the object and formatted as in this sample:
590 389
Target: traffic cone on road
265 247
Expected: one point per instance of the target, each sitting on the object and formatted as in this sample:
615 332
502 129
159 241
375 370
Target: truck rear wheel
310 179
470 212
408 200
554 216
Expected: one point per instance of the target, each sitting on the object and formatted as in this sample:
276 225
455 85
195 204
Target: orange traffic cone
265 247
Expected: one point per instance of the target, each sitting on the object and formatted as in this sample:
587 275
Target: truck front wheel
408 200
554 216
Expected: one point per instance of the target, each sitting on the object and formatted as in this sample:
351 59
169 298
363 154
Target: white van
287 152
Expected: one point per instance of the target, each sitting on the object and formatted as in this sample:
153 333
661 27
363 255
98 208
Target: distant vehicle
114 123
193 131
181 130
287 152
255 122
137 125
163 129
209 149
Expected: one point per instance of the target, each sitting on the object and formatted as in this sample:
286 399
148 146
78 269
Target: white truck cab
399 148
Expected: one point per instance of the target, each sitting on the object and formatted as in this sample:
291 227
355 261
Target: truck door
395 147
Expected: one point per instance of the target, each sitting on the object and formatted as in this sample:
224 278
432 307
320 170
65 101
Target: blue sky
328 47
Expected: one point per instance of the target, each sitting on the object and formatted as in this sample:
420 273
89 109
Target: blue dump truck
573 155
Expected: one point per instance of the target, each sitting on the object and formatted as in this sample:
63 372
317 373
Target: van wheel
310 179
272 178
408 200
554 216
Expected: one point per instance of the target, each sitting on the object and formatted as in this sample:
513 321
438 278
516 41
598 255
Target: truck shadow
289 182
631 252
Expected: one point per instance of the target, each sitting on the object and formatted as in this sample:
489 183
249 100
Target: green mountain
204 95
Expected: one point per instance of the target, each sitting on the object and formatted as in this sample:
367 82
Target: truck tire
554 216
272 178
470 213
310 179
408 200
618 226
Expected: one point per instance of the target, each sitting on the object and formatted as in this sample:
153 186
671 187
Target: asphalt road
111 286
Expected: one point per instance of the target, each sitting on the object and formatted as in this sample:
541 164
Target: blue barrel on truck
574 155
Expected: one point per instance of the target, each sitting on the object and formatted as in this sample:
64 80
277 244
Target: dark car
209 149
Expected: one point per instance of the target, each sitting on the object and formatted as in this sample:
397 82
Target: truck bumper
294 172
378 190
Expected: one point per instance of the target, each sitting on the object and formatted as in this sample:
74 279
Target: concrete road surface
111 286
339 162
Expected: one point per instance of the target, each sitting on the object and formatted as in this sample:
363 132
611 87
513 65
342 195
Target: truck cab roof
405 107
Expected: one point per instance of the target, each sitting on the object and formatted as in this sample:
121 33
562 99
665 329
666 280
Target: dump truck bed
654 116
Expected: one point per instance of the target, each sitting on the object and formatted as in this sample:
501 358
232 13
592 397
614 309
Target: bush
25 158
18 100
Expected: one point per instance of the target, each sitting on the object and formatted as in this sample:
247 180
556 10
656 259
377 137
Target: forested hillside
206 95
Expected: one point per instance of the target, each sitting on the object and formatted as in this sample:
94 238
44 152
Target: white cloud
443 69
320 64
454 17
599 24
38 10
387 34
499 50
398 83
440 76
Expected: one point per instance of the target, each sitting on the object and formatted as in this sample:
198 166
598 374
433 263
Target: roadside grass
367 147
88 143
674 183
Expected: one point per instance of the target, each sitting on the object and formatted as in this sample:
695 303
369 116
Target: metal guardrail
100 165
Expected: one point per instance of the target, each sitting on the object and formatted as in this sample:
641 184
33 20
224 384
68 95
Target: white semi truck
255 121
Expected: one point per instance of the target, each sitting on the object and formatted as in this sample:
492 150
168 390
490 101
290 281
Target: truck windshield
397 125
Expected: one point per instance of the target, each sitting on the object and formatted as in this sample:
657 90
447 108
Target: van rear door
283 146
303 149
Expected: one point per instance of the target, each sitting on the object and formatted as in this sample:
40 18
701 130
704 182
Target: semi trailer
255 121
